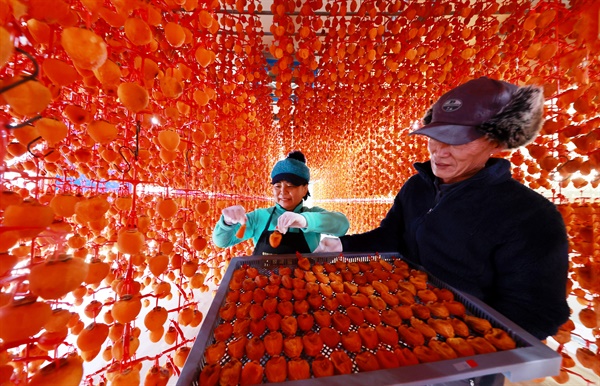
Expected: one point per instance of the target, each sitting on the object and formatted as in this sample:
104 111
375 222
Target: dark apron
290 242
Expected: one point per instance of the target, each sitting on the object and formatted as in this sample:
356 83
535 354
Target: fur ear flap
428 116
520 121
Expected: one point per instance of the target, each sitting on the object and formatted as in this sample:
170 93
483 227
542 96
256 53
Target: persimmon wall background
127 125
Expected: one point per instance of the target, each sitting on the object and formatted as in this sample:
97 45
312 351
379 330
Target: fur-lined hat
501 111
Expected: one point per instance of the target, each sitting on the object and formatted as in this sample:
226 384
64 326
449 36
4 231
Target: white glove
290 220
234 215
329 244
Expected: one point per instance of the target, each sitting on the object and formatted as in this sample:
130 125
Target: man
465 220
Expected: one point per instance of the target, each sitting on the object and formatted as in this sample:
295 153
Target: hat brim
450 134
289 177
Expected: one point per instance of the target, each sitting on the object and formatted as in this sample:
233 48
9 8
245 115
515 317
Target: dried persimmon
293 346
252 373
341 322
255 348
298 369
273 343
426 354
481 345
276 369
411 336
500 339
444 350
423 328
460 346
305 321
209 376
289 325
312 343
442 327
342 363
275 238
240 232
387 359
322 367
355 314
215 352
237 347
330 336
366 361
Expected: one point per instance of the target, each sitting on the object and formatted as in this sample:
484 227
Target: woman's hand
234 215
290 220
329 244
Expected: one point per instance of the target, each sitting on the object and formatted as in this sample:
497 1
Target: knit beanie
292 169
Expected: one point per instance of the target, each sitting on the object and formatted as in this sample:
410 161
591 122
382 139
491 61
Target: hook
138 128
134 152
187 162
22 124
30 144
124 159
32 76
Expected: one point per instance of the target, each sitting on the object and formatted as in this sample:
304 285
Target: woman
301 227
465 220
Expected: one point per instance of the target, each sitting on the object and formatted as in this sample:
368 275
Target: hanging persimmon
102 131
175 34
86 49
158 264
130 241
67 371
133 96
181 355
28 98
92 209
51 130
92 336
58 320
137 31
166 207
123 203
23 318
126 377
63 205
29 218
126 309
77 114
71 271
156 318
199 243
158 376
169 139
204 56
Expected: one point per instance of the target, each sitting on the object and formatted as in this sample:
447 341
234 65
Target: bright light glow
154 120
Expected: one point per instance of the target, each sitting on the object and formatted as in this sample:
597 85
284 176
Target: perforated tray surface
529 360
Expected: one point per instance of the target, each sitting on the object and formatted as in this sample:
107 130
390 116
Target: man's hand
290 220
329 244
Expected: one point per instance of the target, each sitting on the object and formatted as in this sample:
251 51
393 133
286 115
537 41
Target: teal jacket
318 221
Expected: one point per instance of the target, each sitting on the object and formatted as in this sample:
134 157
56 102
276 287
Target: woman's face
288 195
455 163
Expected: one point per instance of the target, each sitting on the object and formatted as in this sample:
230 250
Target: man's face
455 163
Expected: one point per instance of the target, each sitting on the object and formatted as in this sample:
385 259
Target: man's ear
497 147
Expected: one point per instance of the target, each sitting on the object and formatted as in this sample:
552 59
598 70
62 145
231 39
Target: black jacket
488 236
